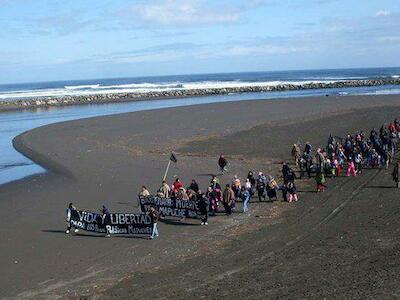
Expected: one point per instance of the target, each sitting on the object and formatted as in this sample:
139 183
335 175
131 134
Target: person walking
320 180
222 163
70 210
252 179
291 189
285 172
154 218
296 154
177 185
105 218
245 196
194 186
144 192
203 205
351 169
261 190
272 188
164 190
228 197
396 174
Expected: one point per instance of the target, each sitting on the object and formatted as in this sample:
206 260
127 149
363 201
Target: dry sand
343 243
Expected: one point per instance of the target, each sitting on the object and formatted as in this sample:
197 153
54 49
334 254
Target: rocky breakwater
180 93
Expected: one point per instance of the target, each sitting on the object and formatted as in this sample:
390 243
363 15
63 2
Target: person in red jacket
177 185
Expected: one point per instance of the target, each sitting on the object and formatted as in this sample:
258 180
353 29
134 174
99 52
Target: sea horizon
61 88
193 74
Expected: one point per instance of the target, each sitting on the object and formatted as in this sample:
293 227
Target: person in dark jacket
228 197
214 183
252 180
396 174
308 148
203 209
261 190
194 186
291 188
285 171
70 210
105 218
222 163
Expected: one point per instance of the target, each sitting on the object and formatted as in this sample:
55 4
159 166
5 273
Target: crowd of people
346 156
351 154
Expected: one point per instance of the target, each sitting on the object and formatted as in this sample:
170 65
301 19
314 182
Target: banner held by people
114 223
169 207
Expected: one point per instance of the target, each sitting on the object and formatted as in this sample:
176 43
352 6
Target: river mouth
14 166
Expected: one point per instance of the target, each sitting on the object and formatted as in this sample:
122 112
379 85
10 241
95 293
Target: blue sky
78 39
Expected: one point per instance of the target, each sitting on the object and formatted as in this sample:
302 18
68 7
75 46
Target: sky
46 40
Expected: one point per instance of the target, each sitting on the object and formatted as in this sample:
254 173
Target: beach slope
341 243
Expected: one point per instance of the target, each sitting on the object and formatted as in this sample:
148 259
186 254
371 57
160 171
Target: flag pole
166 171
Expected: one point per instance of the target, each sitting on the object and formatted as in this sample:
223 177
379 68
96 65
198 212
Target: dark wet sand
343 243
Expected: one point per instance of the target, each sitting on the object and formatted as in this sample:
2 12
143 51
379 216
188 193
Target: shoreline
51 164
29 103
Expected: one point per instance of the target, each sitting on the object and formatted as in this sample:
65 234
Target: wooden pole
166 171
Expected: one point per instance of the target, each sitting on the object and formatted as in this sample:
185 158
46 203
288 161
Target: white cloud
383 13
183 12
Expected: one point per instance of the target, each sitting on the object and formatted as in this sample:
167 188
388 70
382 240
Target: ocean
188 82
14 166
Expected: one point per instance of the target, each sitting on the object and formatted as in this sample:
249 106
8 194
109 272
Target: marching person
351 169
396 174
105 218
177 185
214 183
164 190
228 197
320 180
70 209
144 192
291 189
285 171
203 205
245 196
261 189
222 163
252 180
194 186
296 154
154 218
272 187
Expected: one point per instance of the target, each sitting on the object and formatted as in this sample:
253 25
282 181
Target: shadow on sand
380 187
177 222
88 235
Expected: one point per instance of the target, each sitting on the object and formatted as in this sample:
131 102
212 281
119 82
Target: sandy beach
340 244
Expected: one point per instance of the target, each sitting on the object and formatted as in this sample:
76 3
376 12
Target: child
320 179
291 188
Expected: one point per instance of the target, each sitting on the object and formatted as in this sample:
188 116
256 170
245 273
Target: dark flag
173 158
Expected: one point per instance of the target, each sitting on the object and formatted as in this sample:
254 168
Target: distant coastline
182 93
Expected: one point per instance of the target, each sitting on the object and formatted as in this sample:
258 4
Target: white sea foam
396 76
79 87
385 92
